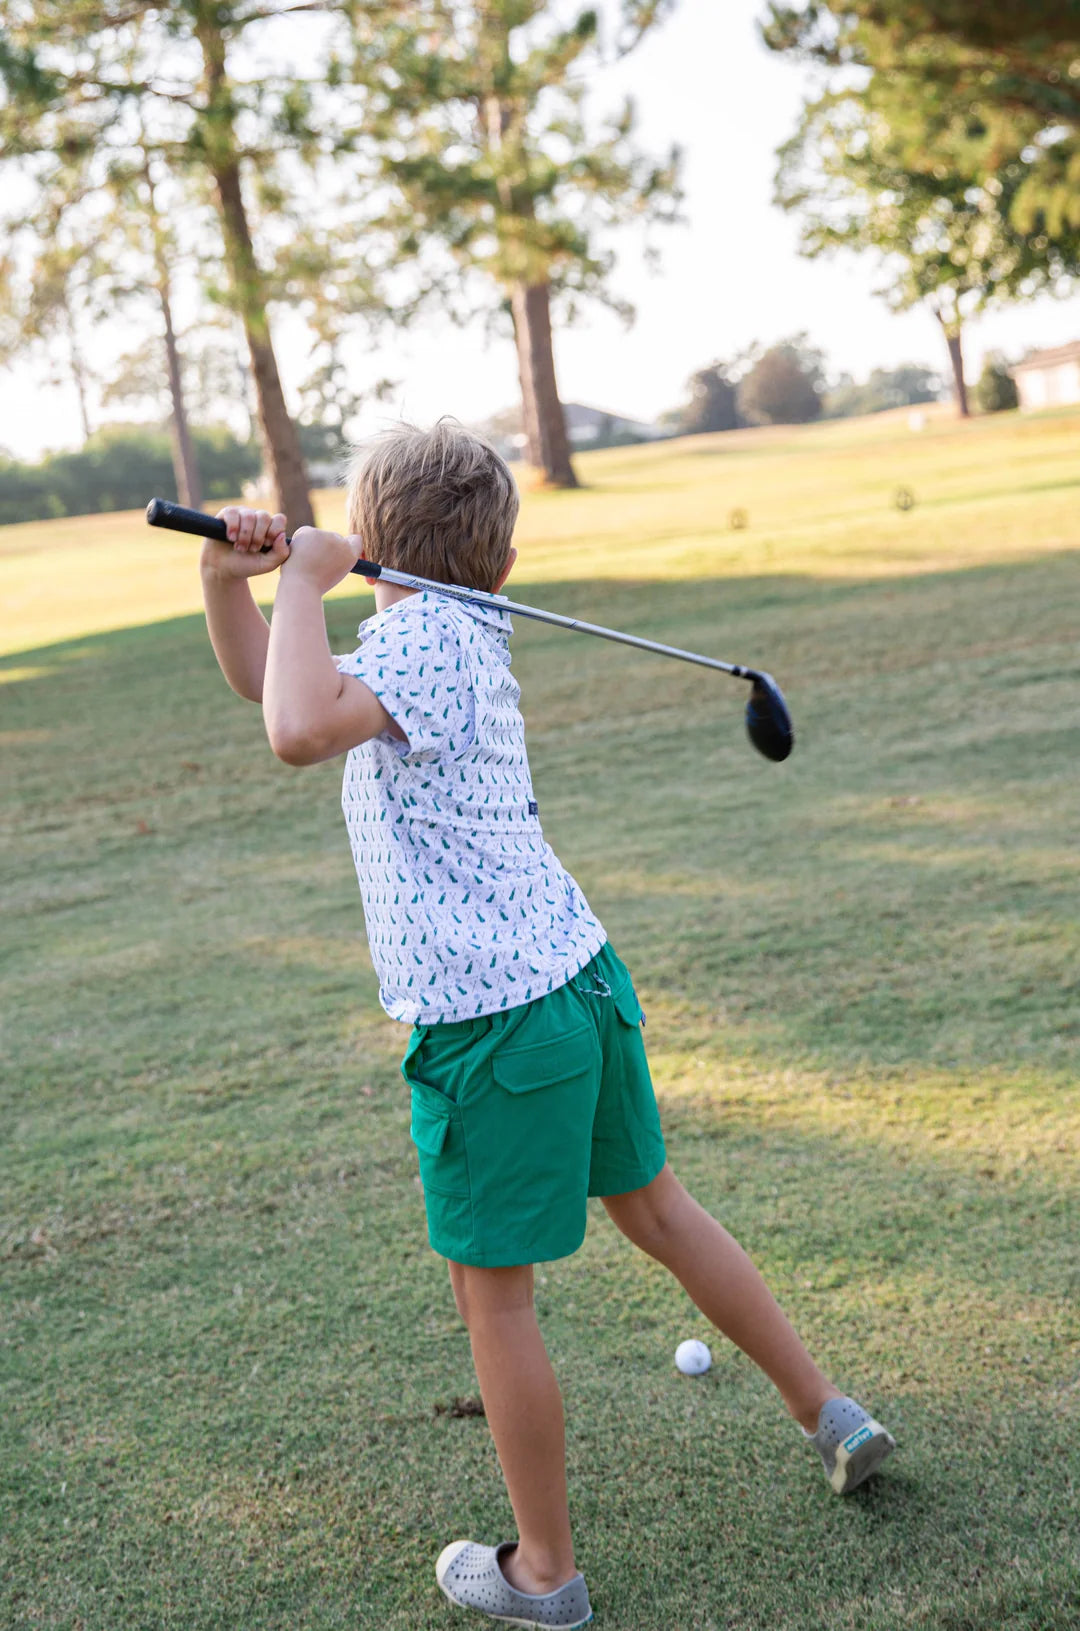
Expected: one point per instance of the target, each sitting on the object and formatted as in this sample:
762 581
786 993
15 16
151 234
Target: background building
1049 379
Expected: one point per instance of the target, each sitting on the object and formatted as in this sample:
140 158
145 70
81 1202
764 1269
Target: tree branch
327 6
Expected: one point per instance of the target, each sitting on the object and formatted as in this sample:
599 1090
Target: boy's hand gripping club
768 722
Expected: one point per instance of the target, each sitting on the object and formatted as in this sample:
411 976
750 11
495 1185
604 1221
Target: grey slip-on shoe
470 1576
852 1445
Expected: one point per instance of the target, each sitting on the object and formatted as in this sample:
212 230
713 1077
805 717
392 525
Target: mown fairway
226 1350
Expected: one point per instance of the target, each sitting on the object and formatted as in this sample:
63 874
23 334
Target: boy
529 1083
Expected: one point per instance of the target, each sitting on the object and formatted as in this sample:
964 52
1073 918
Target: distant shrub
26 494
996 391
119 468
885 388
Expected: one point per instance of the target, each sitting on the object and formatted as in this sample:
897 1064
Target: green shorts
519 1116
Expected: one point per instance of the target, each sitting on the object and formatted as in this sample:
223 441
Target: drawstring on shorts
601 989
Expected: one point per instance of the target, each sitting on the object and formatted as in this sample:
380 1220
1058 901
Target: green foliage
712 404
996 390
255 196
322 443
1030 31
329 398
1001 83
485 137
867 171
27 493
943 239
885 388
783 385
120 468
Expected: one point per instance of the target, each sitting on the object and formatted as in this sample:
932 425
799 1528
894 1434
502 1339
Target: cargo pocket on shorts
436 1131
541 1114
543 1064
626 1003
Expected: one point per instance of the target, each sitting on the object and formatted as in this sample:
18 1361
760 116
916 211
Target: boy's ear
506 571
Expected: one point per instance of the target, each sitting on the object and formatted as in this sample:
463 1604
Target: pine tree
486 138
944 239
102 85
1002 81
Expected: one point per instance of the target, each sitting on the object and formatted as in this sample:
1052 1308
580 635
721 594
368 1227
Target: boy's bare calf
524 1412
716 1273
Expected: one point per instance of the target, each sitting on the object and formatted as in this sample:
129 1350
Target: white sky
730 276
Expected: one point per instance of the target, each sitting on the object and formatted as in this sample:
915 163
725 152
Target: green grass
819 502
224 1342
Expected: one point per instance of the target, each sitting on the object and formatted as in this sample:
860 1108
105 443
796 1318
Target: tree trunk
281 445
548 447
954 342
277 433
78 372
185 463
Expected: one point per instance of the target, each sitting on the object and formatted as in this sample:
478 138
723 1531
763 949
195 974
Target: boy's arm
313 712
239 633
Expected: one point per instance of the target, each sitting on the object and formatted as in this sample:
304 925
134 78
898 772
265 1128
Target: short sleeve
413 662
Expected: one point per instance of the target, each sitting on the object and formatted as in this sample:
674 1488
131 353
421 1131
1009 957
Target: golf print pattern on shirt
467 907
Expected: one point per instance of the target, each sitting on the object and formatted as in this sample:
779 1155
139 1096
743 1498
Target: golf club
768 722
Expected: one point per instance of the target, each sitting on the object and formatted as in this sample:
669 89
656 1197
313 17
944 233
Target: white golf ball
693 1357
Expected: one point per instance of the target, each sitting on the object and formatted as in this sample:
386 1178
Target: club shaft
161 513
501 603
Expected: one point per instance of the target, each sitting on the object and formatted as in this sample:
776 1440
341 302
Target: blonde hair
440 503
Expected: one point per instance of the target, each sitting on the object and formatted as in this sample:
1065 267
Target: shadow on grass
892 895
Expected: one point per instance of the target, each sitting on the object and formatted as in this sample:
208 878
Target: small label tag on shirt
534 808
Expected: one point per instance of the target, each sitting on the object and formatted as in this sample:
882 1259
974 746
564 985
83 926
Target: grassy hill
818 499
229 1358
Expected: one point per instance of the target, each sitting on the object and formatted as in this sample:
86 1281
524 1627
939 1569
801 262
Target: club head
768 723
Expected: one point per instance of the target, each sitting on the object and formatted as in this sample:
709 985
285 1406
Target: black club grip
160 512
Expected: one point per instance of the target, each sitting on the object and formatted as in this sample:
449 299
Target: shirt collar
492 617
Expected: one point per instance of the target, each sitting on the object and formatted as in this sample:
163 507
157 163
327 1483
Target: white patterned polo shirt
467 907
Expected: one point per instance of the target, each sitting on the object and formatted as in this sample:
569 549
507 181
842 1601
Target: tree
1002 76
215 384
106 84
942 239
1028 32
784 385
713 402
215 136
136 189
885 388
111 229
487 141
46 310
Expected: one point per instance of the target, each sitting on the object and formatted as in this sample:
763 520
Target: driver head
768 723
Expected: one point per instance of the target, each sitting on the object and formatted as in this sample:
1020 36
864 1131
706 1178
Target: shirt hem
410 1014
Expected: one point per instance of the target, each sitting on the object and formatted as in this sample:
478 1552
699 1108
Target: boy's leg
716 1273
524 1412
